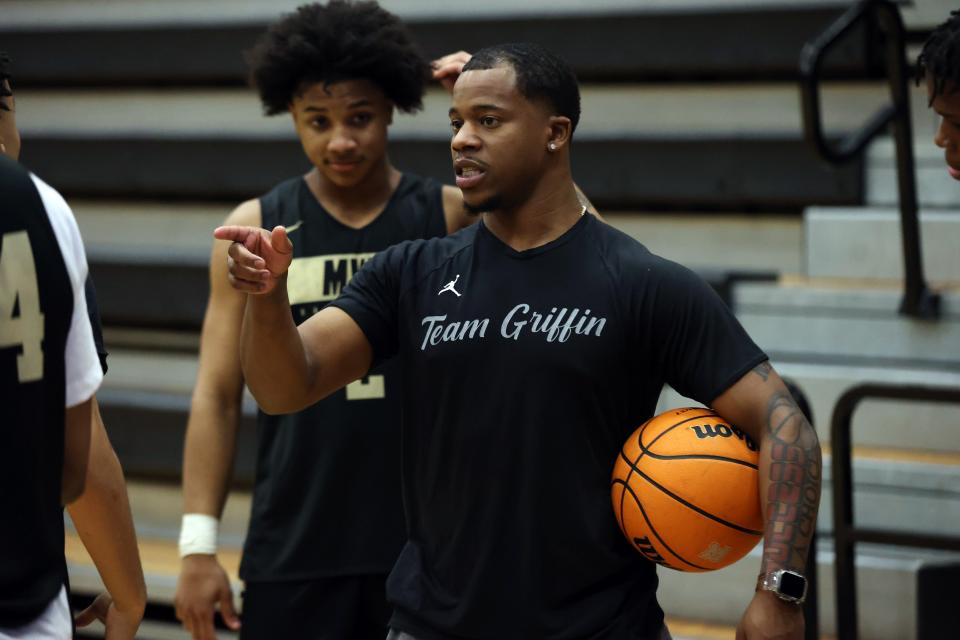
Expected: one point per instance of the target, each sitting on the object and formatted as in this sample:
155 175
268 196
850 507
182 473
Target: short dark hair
341 40
940 57
541 75
4 75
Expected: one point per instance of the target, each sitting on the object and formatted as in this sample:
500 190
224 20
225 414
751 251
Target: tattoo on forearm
763 370
794 491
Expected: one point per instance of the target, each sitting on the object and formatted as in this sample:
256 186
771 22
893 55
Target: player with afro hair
326 522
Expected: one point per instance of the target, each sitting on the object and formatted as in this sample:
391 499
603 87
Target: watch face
792 584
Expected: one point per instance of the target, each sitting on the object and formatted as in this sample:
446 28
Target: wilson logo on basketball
724 431
648 551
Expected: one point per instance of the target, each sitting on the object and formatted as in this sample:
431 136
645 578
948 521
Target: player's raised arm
287 368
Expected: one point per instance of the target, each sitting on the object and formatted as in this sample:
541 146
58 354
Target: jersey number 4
18 284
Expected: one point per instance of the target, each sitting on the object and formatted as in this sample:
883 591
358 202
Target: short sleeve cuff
371 325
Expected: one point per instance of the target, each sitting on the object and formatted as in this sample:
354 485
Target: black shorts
341 608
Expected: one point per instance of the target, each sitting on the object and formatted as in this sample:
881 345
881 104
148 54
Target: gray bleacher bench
611 41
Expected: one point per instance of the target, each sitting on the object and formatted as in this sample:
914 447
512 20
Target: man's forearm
790 476
273 359
209 451
103 521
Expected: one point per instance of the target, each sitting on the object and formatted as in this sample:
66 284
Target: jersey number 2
18 283
369 388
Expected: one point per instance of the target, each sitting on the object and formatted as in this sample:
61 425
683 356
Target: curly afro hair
940 57
336 41
4 75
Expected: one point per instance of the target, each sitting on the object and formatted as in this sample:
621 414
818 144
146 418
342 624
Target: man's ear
560 130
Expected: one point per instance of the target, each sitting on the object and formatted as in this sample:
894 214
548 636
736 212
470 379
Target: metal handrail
846 534
883 17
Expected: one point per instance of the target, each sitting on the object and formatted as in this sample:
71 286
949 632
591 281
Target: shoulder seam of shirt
594 241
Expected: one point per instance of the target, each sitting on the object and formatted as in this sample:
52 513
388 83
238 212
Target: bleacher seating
690 140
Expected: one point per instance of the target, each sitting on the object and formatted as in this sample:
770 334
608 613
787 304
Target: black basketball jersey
36 303
327 495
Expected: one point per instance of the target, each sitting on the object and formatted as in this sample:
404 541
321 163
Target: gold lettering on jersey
369 388
317 279
322 278
20 295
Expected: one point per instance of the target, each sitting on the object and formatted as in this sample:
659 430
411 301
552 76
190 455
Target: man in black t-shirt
531 345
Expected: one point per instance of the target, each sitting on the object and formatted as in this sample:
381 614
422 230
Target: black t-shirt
32 427
523 374
327 496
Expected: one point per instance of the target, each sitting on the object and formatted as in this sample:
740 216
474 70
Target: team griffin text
556 326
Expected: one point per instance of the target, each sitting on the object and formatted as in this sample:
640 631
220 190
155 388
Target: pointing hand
258 258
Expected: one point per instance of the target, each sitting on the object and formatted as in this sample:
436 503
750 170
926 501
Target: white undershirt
82 367
53 624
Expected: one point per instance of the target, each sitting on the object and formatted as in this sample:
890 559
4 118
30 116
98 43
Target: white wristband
198 534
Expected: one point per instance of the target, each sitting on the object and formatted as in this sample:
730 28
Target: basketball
684 491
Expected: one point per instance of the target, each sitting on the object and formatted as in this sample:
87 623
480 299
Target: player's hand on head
118 625
447 69
257 258
202 586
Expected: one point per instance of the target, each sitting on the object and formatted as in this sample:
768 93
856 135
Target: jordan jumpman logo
450 286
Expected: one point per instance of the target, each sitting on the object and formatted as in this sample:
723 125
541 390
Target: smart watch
786 585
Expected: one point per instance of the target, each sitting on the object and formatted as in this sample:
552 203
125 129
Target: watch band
789 586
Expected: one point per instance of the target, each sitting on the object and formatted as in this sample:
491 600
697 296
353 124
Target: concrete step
144 43
893 492
843 242
129 230
732 241
899 496
25 13
935 187
117 230
214 144
151 390
836 323
651 109
879 424
926 14
761 172
886 589
149 259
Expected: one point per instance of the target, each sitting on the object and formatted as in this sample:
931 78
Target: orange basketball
684 491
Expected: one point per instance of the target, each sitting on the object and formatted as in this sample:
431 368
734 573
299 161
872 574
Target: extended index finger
234 233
